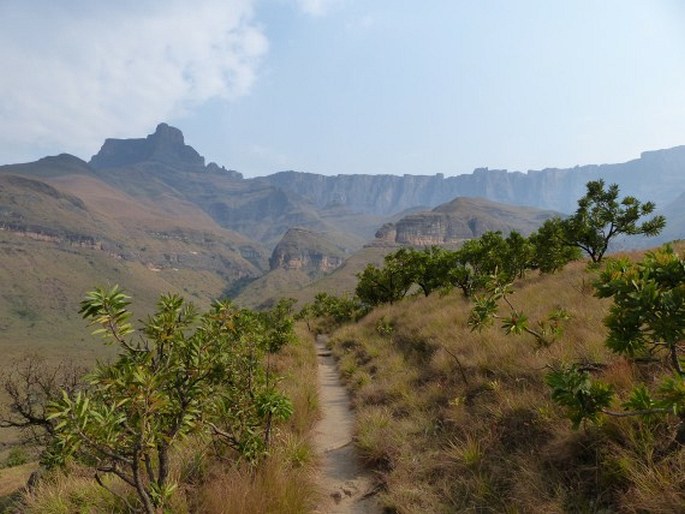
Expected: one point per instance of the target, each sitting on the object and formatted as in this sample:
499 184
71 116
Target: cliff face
163 169
658 176
306 251
460 219
162 166
166 145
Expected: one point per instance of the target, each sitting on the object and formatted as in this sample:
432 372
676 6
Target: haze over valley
152 211
342 257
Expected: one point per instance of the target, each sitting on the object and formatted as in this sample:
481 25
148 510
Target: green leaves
581 397
672 395
648 313
646 319
551 251
483 312
108 309
271 403
601 217
185 374
515 323
486 309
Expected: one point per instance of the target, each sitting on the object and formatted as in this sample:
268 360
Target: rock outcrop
458 220
307 251
166 146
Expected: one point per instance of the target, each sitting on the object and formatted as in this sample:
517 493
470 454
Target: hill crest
460 219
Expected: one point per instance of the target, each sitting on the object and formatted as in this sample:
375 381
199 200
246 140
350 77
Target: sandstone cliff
462 218
658 176
166 145
307 251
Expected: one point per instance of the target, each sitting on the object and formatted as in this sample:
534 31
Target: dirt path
346 484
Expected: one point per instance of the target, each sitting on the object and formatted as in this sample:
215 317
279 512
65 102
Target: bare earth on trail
347 486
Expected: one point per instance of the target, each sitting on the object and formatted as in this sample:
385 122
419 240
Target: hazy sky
343 86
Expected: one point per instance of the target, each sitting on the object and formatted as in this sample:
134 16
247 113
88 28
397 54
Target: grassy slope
142 247
298 285
283 484
491 440
42 284
146 248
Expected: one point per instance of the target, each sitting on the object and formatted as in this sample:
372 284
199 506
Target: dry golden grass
283 483
455 420
73 493
280 485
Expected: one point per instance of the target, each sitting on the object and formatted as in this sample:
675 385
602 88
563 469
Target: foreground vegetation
192 416
521 392
479 384
454 419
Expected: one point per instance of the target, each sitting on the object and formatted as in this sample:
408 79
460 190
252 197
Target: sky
347 86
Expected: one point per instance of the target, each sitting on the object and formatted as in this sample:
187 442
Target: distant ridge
163 168
657 175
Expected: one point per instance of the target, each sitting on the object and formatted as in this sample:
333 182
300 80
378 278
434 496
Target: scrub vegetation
557 391
455 419
198 412
505 376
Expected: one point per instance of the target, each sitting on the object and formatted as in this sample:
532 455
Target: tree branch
98 479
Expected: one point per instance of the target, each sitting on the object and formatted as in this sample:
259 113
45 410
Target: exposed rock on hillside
73 213
166 145
657 176
161 168
460 219
307 251
674 213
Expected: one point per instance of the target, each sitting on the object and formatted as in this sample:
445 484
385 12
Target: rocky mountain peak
166 146
169 134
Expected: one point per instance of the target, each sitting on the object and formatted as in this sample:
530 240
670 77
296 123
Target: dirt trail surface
347 486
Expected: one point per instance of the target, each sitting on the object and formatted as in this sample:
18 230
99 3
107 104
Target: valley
149 215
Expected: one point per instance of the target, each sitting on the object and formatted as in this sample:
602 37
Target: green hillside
65 233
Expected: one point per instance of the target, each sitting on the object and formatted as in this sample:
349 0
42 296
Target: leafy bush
646 320
181 374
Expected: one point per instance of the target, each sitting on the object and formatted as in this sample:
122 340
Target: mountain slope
459 420
68 232
161 168
462 218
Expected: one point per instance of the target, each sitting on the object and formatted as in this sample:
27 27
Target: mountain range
150 214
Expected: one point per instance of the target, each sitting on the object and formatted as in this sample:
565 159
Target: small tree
550 252
518 255
388 284
184 374
429 268
648 314
334 309
601 217
646 319
485 254
30 384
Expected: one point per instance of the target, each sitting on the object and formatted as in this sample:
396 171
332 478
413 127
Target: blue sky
348 86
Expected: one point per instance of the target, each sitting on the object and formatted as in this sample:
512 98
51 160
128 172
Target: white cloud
77 72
